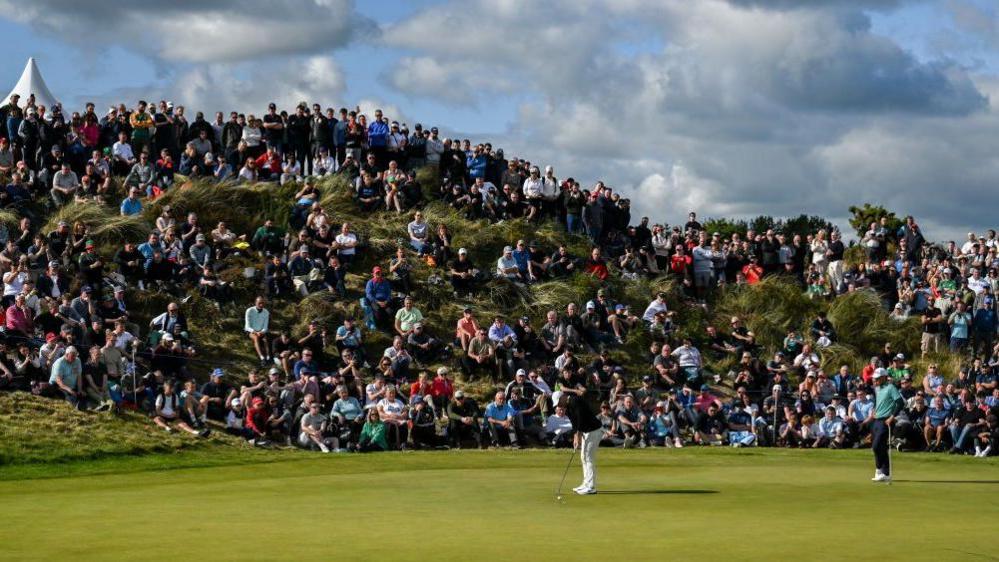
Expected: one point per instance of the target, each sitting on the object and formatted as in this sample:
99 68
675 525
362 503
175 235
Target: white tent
31 82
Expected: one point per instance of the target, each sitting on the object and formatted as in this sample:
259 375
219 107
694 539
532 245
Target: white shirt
257 320
558 424
347 243
533 188
655 307
977 285
123 150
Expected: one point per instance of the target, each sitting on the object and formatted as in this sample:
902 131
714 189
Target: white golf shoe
882 478
585 491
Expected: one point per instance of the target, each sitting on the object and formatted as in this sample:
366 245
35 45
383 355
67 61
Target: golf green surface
749 504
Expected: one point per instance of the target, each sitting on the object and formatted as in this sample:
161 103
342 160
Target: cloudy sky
727 107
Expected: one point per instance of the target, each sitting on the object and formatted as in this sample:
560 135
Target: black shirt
581 414
932 313
964 417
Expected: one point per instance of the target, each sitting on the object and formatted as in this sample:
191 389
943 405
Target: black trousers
879 445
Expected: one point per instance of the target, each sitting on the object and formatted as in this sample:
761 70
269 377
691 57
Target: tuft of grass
38 430
107 226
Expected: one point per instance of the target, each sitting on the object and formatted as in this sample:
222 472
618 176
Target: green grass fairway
473 505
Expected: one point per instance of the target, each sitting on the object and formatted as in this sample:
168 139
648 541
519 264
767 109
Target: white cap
880 372
556 396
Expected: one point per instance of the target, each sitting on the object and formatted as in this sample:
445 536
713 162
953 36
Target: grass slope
670 504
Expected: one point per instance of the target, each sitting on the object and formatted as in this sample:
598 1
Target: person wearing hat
588 433
463 273
378 294
217 394
464 421
506 265
898 368
888 402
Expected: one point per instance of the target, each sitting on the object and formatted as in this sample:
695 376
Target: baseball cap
647 378
521 372
591 304
620 306
376 269
87 289
199 237
274 371
442 371
880 372
507 249
217 372
556 396
900 357
462 251
50 337
705 387
167 337
258 401
236 402
459 394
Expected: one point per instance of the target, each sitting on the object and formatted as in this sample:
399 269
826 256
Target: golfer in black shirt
588 428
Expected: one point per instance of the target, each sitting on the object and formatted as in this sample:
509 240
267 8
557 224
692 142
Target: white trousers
588 455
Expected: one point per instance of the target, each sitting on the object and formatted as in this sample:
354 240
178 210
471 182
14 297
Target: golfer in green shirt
888 402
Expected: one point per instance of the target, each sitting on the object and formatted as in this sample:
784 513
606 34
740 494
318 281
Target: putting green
748 504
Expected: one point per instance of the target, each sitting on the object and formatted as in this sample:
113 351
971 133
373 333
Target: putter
558 492
891 473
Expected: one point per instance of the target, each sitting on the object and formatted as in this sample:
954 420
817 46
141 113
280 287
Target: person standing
588 430
888 402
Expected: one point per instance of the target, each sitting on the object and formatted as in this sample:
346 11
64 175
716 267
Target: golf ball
558 498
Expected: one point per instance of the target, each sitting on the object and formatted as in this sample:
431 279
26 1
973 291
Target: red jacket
441 387
256 419
272 164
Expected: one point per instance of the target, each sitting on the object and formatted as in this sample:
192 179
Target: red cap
50 337
258 401
376 269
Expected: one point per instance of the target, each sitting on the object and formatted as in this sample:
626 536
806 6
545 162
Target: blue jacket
985 320
378 133
477 166
378 291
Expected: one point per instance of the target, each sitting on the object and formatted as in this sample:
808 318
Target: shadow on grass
636 492
948 481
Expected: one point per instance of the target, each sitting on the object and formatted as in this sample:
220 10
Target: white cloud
749 107
237 87
197 31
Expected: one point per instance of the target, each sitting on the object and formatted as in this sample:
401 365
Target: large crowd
68 331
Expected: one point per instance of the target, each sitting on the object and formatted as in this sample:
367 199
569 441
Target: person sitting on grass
500 420
988 439
741 432
67 377
395 414
168 411
480 355
195 408
422 424
348 417
312 429
631 422
463 420
558 429
711 427
829 431
373 435
257 322
965 425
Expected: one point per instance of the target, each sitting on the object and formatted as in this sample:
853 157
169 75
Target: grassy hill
769 308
